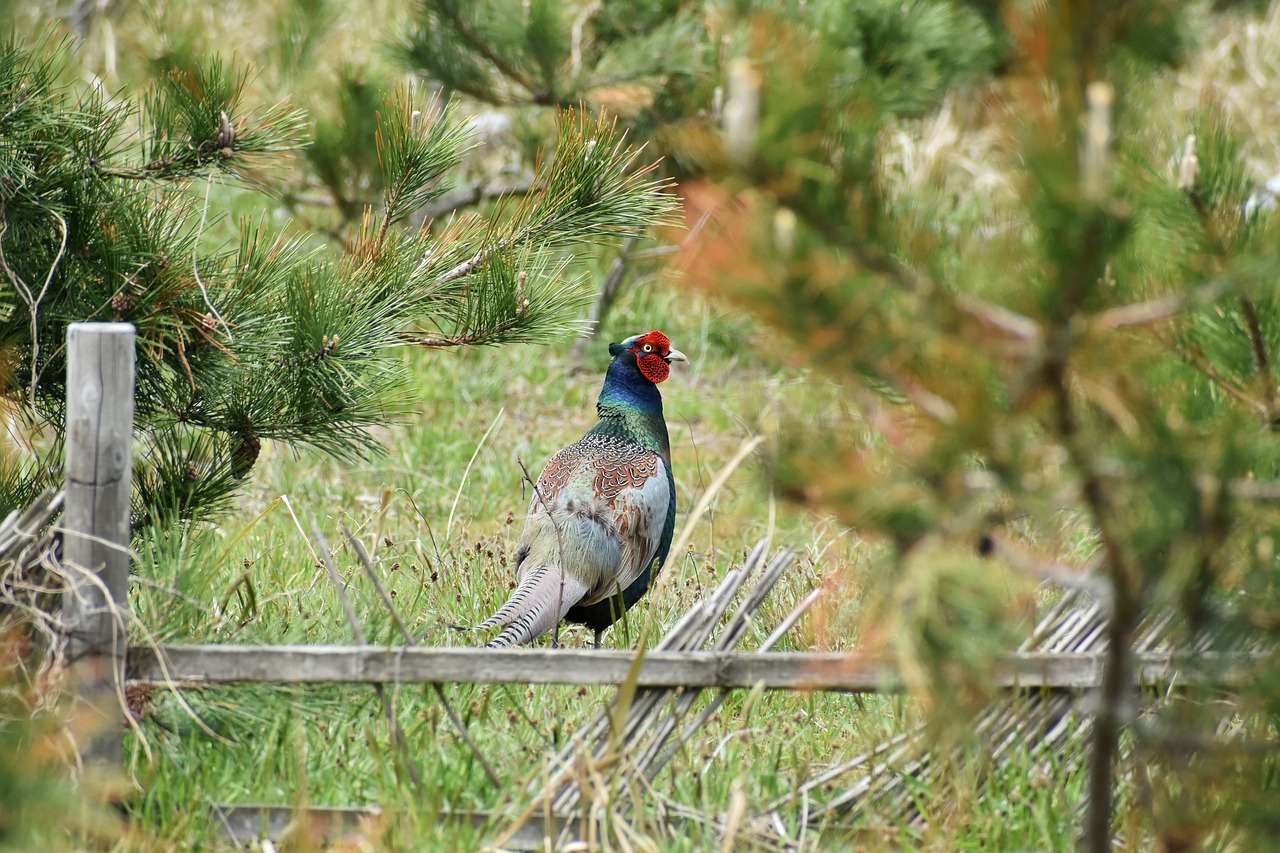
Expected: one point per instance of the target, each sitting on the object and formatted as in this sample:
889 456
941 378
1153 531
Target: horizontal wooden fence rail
851 673
246 824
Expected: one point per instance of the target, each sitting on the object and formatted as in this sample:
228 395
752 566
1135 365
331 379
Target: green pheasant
600 522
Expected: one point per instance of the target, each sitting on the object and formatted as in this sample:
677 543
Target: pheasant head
652 352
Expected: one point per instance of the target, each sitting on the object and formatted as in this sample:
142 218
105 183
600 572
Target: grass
441 511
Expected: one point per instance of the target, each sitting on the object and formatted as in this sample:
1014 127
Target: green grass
441 512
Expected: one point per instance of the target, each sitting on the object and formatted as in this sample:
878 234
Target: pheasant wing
637 491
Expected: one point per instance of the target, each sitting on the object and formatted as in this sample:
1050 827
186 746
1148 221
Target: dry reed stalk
30 577
1050 720
606 770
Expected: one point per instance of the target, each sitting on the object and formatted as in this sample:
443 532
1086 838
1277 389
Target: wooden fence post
95 523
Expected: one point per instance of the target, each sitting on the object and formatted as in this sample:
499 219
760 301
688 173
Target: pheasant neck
630 408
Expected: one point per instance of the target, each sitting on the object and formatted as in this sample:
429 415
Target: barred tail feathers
564 556
541 600
514 604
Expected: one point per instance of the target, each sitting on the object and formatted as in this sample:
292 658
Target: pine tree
649 62
656 62
104 215
1091 347
633 58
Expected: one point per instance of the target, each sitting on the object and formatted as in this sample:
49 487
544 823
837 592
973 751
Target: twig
33 299
579 25
1161 308
409 641
1259 343
608 294
998 317
1253 490
474 193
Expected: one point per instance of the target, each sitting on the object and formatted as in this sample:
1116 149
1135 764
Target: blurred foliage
1106 353
40 809
1061 334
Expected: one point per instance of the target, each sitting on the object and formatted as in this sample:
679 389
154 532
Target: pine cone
245 454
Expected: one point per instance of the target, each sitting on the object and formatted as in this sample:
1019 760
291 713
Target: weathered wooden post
95 522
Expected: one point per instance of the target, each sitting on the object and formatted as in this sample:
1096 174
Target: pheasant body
602 516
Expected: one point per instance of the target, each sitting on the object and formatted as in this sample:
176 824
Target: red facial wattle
652 367
651 356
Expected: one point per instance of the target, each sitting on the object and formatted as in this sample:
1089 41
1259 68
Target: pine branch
586 192
465 339
1256 340
1197 359
549 57
1152 311
506 302
1026 331
418 142
266 340
195 124
482 47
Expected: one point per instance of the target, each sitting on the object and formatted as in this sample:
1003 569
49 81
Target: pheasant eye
648 347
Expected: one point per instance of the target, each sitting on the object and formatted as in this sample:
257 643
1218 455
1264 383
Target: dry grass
1239 68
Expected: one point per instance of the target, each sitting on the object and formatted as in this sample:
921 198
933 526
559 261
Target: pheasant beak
674 354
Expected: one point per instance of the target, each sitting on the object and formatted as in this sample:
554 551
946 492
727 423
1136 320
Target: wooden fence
95 521
842 672
95 529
